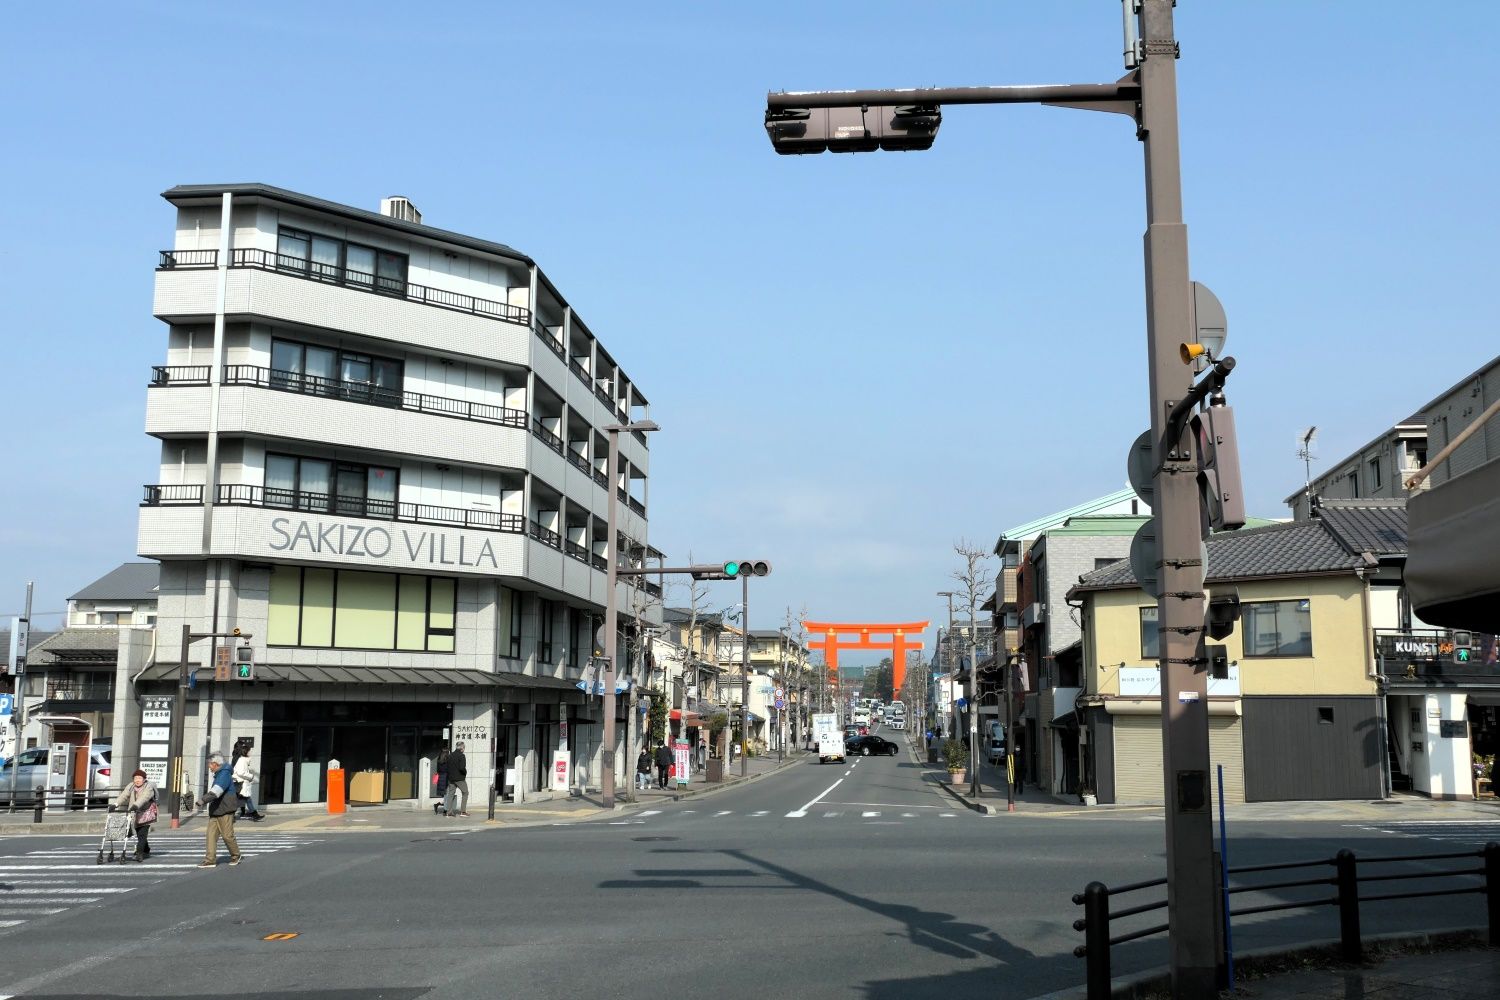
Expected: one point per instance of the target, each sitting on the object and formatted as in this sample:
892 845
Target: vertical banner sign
560 776
156 725
222 659
20 635
680 762
562 734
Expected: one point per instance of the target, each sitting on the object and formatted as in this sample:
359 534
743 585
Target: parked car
33 772
870 746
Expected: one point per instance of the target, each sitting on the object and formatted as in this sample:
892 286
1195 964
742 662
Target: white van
830 747
994 742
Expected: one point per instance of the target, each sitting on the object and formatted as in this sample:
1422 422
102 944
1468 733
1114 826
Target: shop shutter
1226 746
1137 758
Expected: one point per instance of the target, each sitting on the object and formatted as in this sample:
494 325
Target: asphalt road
827 880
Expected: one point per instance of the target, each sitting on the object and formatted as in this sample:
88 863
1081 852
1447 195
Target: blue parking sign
5 703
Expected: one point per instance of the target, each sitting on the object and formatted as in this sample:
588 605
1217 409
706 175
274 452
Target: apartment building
384 460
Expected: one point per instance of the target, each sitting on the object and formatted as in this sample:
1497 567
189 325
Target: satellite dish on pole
1140 468
1145 553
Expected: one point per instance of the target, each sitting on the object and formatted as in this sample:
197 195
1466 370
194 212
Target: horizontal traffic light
738 568
854 129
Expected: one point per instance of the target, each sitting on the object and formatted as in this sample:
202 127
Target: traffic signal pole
745 679
1147 93
1191 903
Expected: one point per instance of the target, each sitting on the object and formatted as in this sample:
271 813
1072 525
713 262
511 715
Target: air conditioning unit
1033 614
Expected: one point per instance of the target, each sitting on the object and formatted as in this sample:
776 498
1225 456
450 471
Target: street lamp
611 614
1147 94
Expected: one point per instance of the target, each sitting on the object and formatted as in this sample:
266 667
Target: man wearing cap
222 803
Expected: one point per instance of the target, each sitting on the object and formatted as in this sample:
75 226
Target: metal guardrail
1345 879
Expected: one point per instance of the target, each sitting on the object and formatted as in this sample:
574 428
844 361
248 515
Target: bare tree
974 577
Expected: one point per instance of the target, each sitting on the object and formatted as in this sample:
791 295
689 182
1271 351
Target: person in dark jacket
643 770
222 802
458 781
663 764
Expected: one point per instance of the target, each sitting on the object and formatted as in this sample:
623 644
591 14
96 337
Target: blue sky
856 361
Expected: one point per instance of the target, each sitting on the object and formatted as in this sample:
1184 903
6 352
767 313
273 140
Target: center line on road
761 813
867 815
723 812
799 813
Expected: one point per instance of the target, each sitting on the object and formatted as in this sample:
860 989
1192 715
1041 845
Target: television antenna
1307 452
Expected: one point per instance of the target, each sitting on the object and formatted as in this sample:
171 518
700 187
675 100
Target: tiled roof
1294 548
1374 526
126 582
74 645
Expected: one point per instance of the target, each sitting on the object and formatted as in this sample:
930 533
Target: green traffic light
244 671
731 569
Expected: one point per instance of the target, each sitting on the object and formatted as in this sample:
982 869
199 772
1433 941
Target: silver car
33 772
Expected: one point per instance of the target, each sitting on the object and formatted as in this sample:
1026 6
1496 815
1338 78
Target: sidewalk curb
983 808
698 792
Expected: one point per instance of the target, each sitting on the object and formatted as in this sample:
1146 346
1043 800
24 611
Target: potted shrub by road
956 756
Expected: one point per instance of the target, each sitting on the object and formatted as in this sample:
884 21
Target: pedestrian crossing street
1476 833
865 812
47 882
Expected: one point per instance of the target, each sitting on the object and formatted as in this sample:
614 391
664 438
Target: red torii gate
829 640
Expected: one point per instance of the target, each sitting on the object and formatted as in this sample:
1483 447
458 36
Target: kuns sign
393 546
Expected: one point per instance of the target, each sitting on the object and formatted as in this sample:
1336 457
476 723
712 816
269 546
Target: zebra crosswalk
827 811
1476 832
53 880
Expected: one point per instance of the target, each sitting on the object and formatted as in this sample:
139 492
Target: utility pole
973 687
948 650
176 771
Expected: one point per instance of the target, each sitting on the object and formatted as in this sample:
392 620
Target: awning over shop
396 676
687 718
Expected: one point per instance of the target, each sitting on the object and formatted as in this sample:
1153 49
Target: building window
514 597
546 613
316 484
1375 473
1354 484
1277 628
352 609
1325 715
323 371
110 617
1150 637
327 259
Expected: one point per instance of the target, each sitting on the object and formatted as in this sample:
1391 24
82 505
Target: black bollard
36 816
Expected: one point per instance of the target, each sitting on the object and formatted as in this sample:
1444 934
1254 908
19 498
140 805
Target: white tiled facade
477 456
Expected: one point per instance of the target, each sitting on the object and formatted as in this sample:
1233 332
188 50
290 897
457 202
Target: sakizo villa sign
377 543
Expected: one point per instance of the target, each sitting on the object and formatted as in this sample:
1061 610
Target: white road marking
11 923
64 892
867 815
17 911
653 812
849 772
799 813
908 815
946 815
761 813
723 812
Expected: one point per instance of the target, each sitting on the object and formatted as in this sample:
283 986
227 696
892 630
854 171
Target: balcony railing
80 689
179 374
552 342
269 260
579 368
546 436
578 462
601 478
364 392
237 495
546 536
1431 654
636 505
576 550
172 495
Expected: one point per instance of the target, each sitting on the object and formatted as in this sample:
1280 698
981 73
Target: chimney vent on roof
398 207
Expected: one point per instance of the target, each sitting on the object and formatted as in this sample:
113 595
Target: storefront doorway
378 745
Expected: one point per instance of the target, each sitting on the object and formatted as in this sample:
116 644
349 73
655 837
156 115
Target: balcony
541 433
267 403
81 687
236 495
326 388
172 495
268 260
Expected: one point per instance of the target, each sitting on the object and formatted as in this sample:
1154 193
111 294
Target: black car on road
869 746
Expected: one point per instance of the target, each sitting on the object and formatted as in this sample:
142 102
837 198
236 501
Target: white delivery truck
895 715
828 736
